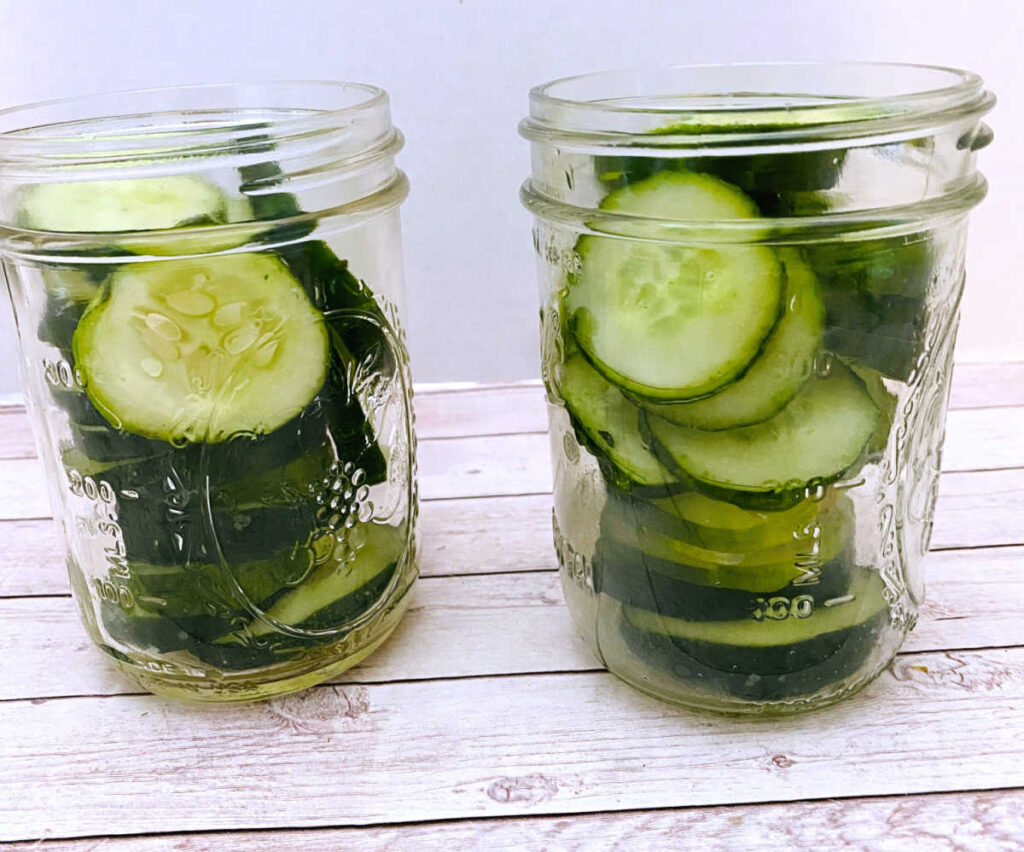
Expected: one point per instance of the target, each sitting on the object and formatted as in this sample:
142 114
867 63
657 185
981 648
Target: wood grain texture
487 466
499 624
991 821
977 439
482 411
17 440
984 439
567 743
981 385
455 627
486 705
980 509
461 536
496 410
502 534
465 536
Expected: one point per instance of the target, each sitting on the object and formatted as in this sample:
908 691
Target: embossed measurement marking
574 563
101 495
780 608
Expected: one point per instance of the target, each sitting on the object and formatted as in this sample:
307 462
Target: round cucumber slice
201 350
777 374
705 511
674 321
136 204
773 529
818 436
754 570
609 420
863 600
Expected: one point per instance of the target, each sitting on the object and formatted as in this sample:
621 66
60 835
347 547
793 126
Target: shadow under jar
750 279
207 285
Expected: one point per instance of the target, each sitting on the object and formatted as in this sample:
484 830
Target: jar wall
224 544
721 545
887 499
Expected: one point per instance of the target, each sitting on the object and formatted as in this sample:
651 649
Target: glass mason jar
207 285
750 279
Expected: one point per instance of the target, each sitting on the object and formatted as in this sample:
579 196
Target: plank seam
42 842
452 678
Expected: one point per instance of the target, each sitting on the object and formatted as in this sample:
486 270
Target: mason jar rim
317 132
612 108
305 107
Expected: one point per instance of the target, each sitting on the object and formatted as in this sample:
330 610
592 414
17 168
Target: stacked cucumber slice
214 402
712 385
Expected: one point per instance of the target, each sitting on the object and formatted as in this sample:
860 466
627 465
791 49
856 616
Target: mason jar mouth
153 129
330 144
758 106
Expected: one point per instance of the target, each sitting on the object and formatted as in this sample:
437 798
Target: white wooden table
486 724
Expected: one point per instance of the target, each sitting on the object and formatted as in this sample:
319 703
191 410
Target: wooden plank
455 627
484 747
23 489
16 441
992 821
981 385
482 411
499 624
500 534
32 559
505 409
984 439
457 537
461 467
484 466
979 439
480 536
974 599
980 509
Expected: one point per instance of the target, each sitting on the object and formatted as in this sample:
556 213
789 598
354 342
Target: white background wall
458 72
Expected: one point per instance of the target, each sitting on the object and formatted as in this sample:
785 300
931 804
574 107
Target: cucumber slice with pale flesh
791 651
134 204
634 584
351 567
202 349
765 530
760 570
672 321
777 374
609 420
861 601
814 439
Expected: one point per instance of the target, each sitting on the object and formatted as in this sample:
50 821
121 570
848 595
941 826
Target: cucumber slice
758 570
766 530
638 587
68 293
859 603
876 294
777 374
201 350
609 421
814 439
777 672
887 266
355 575
705 511
136 204
671 321
785 184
